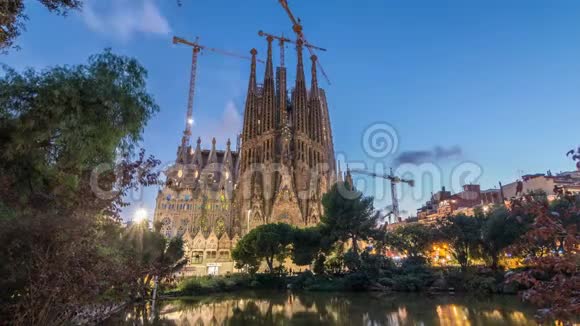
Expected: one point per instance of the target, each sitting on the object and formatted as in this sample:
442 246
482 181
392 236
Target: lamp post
248 220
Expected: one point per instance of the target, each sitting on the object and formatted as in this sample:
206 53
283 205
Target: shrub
356 282
481 285
409 283
352 261
302 280
318 267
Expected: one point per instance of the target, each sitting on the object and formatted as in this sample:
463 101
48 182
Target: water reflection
330 309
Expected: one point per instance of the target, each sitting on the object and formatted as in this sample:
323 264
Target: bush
269 281
356 282
352 261
375 266
386 281
481 285
211 284
318 267
409 283
324 284
302 280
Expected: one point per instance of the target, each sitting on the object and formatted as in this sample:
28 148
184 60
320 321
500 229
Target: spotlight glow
140 215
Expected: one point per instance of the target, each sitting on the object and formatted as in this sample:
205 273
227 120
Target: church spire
252 83
269 94
250 99
315 108
299 96
314 81
249 114
269 65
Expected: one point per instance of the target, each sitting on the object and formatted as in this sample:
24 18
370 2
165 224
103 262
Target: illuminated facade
282 165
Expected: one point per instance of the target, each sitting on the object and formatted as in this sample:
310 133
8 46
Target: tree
12 17
500 229
463 234
412 239
318 266
348 219
268 242
152 256
552 278
306 244
68 158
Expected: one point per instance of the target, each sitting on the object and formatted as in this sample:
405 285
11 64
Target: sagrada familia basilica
280 168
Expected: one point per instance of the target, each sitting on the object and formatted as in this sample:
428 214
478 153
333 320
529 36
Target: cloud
438 153
123 19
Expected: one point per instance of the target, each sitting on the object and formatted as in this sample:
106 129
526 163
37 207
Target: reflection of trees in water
284 308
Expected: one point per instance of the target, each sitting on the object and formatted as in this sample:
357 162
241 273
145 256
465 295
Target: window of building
224 254
197 257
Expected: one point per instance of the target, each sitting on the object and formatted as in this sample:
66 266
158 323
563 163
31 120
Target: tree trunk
270 262
494 261
354 244
154 296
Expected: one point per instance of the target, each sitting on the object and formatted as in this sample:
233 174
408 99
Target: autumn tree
552 278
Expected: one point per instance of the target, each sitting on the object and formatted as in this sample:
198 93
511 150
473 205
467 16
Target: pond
287 308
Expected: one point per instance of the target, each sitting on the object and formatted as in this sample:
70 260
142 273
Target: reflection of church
279 172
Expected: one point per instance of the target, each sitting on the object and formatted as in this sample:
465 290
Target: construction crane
282 40
197 48
297 28
394 180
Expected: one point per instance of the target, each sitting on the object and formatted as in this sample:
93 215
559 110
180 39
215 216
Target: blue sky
497 79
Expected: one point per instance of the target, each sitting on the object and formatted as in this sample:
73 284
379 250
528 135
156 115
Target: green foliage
306 244
268 242
352 261
334 264
319 267
211 284
408 283
499 230
463 233
375 266
477 284
56 127
346 219
412 239
356 281
150 255
12 17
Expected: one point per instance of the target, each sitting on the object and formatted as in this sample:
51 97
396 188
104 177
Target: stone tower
284 165
287 155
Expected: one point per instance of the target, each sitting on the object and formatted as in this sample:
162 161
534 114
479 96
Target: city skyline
447 83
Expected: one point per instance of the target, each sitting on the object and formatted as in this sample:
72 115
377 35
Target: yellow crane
282 40
197 48
297 28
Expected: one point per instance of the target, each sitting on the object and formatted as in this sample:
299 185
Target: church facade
281 166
